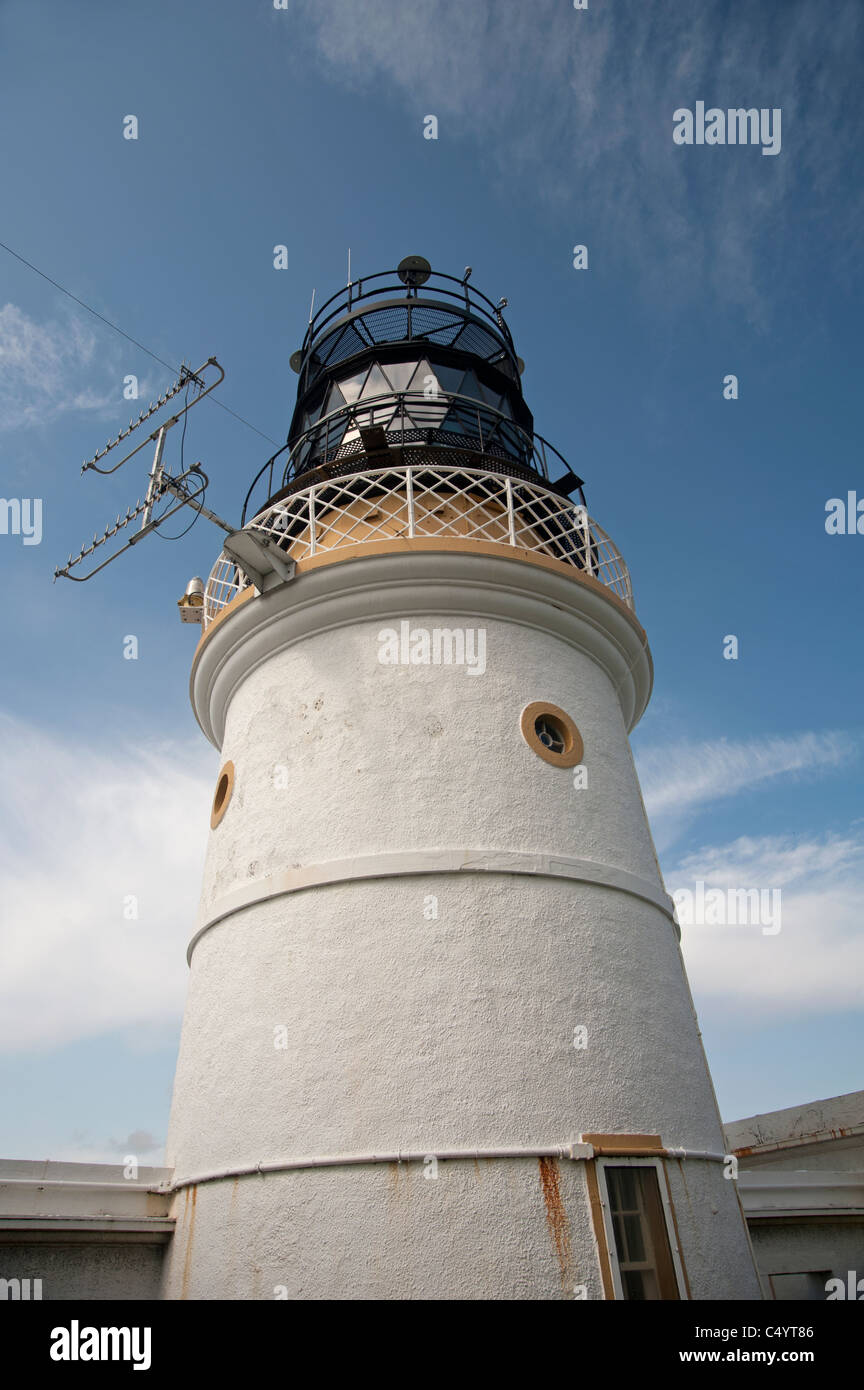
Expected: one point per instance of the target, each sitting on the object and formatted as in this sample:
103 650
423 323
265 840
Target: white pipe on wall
574 1151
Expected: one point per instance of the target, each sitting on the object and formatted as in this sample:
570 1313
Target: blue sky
304 127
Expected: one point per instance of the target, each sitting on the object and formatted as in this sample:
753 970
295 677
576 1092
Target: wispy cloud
578 105
780 861
140 1143
51 369
84 830
815 963
680 779
84 1147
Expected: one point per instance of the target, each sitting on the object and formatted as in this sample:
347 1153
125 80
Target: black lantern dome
403 367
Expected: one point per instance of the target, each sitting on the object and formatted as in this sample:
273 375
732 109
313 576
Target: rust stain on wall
190 1236
556 1216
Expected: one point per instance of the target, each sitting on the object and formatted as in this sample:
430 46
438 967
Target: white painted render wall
407 1033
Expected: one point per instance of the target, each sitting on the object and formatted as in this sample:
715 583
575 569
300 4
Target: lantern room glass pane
418 380
450 379
351 386
428 414
399 374
471 387
335 400
376 384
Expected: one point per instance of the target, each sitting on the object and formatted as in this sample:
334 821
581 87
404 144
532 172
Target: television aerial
254 556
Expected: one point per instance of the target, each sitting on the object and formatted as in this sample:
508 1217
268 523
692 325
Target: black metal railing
387 283
378 309
377 427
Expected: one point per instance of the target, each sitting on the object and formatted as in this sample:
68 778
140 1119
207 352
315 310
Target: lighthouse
439 1041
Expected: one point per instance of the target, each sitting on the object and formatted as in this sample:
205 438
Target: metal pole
311 521
582 512
172 487
510 518
409 487
155 477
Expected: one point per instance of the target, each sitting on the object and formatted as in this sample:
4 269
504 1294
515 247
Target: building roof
815 1122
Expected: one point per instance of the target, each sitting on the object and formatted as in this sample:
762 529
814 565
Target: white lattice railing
430 501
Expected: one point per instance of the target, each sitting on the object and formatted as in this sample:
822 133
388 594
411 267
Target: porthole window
224 788
552 734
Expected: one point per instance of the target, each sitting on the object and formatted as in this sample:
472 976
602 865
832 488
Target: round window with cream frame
224 788
552 734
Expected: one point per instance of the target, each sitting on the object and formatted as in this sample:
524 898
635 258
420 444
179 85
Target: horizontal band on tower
408 863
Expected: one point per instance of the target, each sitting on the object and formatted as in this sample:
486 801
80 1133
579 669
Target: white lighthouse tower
438 1041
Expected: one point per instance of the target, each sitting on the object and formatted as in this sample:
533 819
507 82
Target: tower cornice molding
409 579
